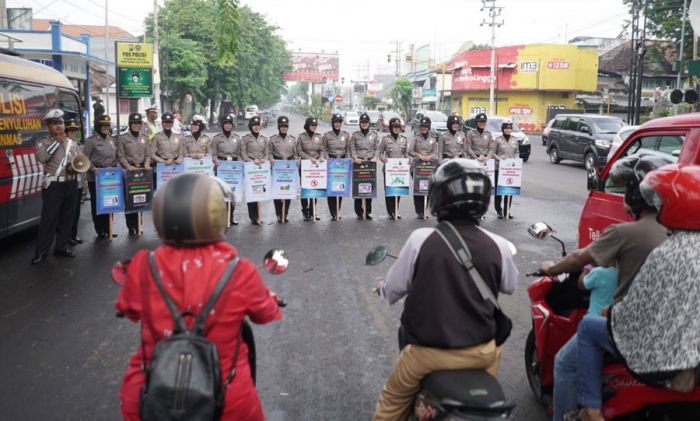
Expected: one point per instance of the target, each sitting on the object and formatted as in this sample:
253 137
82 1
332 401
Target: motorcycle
557 306
453 394
275 262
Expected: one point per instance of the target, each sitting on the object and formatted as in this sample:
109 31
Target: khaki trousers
415 362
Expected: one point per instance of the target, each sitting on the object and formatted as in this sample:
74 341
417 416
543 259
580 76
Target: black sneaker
38 258
500 214
102 236
74 241
133 232
392 217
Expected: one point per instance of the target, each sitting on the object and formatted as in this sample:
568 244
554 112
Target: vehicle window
573 124
560 123
493 124
435 116
607 125
21 114
69 103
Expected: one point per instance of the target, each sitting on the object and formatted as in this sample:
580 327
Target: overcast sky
365 31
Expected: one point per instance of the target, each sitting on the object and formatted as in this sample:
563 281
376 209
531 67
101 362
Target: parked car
582 138
383 121
620 137
373 118
493 124
251 111
352 118
545 132
438 121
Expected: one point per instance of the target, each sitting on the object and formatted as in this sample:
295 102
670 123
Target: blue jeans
593 343
565 369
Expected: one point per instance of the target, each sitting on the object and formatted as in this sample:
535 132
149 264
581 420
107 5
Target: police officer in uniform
101 150
506 148
424 147
282 147
336 142
364 147
452 143
71 129
480 144
254 149
393 145
59 189
132 154
226 146
310 146
151 129
197 143
167 147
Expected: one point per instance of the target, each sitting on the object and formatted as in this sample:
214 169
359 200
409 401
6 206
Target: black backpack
183 380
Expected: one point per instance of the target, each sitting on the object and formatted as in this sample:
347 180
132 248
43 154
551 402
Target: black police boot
63 253
38 258
74 241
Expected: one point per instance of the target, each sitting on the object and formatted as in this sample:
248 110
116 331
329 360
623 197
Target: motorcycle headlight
602 143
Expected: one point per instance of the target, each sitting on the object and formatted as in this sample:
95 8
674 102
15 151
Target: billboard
312 67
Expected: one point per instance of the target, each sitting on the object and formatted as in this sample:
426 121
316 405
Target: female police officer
226 146
393 145
310 146
336 142
282 147
254 149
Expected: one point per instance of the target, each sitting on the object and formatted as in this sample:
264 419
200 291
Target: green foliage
402 94
187 70
480 47
664 22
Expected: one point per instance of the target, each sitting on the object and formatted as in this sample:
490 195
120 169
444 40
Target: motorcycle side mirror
593 179
540 230
276 261
377 255
120 272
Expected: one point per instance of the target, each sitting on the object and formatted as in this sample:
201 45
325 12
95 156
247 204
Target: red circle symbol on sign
314 183
509 181
338 98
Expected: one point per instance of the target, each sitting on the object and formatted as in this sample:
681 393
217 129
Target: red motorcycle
557 307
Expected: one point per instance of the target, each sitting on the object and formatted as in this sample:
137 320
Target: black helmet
425 121
336 117
190 209
228 119
254 121
135 118
364 118
453 119
310 121
394 122
282 121
459 189
104 120
71 124
481 117
167 118
506 124
629 172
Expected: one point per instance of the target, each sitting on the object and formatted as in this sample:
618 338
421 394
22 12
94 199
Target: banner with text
109 184
258 179
285 180
314 179
397 177
422 170
199 166
510 177
165 172
339 178
364 180
139 190
231 172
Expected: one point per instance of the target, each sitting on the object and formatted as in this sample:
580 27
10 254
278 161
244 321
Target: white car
351 119
620 138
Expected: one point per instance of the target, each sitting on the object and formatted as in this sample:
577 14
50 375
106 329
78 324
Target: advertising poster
258 180
139 190
109 184
285 180
199 166
510 177
339 178
165 172
314 179
397 177
231 172
364 180
422 170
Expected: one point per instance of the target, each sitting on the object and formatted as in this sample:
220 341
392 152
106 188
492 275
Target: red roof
77 30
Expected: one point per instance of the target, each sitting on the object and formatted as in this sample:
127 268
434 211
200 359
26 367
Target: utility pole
3 15
107 55
680 54
156 56
494 12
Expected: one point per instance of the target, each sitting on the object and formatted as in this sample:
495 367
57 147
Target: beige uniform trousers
415 362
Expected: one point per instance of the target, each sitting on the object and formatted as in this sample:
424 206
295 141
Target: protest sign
397 177
165 172
285 178
258 179
339 178
364 180
139 190
422 170
314 179
510 177
109 186
231 173
199 166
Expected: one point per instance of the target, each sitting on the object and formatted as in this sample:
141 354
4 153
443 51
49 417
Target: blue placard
396 191
339 178
109 184
231 172
164 172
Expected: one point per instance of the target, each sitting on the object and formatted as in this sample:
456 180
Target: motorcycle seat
468 389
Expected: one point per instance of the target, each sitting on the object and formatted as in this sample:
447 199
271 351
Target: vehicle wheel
554 155
532 367
589 161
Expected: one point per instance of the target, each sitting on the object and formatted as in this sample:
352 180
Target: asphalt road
64 353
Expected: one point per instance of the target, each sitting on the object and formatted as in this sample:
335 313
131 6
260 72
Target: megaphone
80 164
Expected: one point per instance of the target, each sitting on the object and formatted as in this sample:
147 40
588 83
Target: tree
370 102
664 22
402 93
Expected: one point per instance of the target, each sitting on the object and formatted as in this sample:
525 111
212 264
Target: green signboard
135 83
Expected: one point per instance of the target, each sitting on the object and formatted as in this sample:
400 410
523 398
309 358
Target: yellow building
530 79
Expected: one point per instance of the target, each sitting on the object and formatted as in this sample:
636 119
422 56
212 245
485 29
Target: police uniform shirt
165 148
310 146
283 148
421 146
480 144
336 144
252 148
506 149
224 147
200 145
451 145
394 148
150 129
102 153
364 147
52 161
133 150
